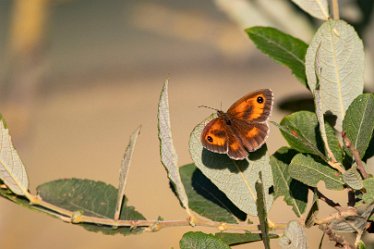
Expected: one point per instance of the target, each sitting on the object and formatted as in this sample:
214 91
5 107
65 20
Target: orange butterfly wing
214 136
253 107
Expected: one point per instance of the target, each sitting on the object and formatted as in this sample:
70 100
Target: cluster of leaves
331 145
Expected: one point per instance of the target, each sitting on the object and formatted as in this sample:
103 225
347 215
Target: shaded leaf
295 193
282 48
241 238
234 178
294 237
317 8
313 212
334 65
333 141
12 171
168 154
353 178
306 170
368 196
123 173
206 199
91 198
358 123
355 223
262 214
200 240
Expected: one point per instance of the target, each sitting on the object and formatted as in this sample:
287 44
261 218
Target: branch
338 239
150 225
342 213
335 9
356 156
327 200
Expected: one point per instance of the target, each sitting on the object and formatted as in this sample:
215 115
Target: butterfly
242 129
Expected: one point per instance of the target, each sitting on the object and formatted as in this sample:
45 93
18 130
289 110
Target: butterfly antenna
208 107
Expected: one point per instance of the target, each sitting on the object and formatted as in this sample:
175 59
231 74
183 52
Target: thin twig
327 200
338 239
335 9
151 225
356 156
344 212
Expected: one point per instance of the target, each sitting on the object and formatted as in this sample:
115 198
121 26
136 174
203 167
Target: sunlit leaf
262 213
294 237
12 171
124 169
317 8
169 156
334 66
353 178
368 196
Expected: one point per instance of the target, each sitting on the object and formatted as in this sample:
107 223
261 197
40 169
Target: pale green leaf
368 196
294 237
235 178
200 240
295 193
306 170
124 169
262 214
169 156
358 123
334 65
12 170
313 211
353 178
317 8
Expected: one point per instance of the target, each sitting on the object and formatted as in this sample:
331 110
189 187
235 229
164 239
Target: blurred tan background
78 76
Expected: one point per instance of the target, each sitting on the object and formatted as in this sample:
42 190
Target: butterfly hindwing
214 136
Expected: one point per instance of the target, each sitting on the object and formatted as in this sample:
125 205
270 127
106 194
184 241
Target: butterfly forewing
253 107
214 136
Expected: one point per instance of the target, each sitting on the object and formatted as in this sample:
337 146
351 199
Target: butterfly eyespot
210 139
260 99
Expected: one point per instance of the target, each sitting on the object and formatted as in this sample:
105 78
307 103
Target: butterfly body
242 129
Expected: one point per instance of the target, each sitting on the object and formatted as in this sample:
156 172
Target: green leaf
282 48
353 178
300 131
306 170
206 199
313 211
235 178
358 123
241 238
294 237
361 245
334 143
295 193
262 214
169 156
92 198
200 240
368 196
335 67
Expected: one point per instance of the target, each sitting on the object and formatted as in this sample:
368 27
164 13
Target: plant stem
356 156
327 200
335 9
